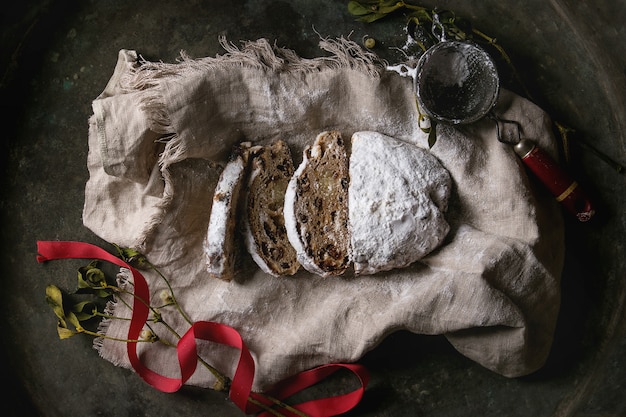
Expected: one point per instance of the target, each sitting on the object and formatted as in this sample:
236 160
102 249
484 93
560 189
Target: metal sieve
456 82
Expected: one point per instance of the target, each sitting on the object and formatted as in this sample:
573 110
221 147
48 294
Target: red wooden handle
563 187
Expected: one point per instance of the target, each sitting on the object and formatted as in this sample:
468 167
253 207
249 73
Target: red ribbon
241 385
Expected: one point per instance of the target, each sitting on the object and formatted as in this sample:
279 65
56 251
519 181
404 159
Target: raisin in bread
316 207
398 196
220 244
264 225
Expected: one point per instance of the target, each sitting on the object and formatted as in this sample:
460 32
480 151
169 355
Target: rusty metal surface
57 57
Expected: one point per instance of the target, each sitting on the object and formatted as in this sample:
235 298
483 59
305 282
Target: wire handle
438 25
565 189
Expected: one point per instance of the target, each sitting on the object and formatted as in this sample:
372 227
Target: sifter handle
563 187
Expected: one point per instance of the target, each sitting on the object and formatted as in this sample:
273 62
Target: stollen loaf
398 195
316 212
264 225
220 244
492 288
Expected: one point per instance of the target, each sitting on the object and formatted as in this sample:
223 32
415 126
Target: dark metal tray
57 57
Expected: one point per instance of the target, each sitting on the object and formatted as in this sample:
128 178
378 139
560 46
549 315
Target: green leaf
104 293
84 310
82 282
372 10
446 16
432 135
95 276
390 8
131 255
126 253
457 33
358 9
54 298
65 333
90 276
71 317
372 4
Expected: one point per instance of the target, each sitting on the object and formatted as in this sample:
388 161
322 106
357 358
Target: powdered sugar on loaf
378 207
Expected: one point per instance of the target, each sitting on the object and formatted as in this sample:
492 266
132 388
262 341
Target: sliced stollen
316 207
398 195
264 224
220 244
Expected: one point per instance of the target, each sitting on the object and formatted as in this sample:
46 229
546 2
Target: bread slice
265 235
220 244
398 196
316 207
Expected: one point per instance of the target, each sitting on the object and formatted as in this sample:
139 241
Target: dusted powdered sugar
219 244
397 198
492 288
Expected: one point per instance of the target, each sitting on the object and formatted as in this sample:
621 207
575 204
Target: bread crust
381 209
316 207
220 244
264 224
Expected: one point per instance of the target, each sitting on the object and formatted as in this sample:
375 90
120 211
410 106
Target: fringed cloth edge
148 77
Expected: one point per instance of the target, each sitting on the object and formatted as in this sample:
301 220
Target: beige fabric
160 135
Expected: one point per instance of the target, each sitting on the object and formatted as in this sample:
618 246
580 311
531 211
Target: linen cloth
160 135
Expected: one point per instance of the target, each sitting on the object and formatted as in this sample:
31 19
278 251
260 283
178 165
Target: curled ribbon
241 385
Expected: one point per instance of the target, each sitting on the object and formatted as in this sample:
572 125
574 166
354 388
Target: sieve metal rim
486 58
